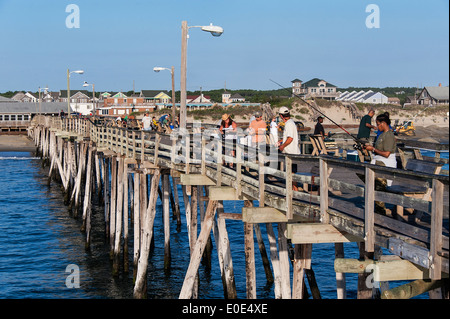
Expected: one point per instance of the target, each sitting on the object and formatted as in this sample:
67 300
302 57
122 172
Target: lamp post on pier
215 31
68 89
172 72
93 96
40 99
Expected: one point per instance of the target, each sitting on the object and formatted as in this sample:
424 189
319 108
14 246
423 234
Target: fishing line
314 108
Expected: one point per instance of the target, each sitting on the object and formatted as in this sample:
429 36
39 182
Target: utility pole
184 35
68 93
174 112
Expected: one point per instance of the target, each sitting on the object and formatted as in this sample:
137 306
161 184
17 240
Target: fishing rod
356 146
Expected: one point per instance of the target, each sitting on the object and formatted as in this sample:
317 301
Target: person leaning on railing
289 144
385 146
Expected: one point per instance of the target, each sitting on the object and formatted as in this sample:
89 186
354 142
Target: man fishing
365 127
358 143
289 143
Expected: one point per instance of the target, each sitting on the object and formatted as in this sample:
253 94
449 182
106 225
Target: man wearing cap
289 144
365 126
258 129
318 129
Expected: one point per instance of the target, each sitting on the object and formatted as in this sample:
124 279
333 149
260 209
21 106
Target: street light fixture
85 84
158 69
215 31
68 88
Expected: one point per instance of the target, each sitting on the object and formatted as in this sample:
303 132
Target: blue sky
119 42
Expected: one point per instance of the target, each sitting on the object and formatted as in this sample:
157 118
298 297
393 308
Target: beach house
226 97
434 95
315 88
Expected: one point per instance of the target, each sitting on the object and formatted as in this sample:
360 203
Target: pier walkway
337 201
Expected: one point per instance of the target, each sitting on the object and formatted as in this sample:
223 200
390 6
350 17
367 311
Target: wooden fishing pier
337 201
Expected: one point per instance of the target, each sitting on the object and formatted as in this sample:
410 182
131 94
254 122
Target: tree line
269 96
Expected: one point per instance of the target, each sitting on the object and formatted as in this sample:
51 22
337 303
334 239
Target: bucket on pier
353 156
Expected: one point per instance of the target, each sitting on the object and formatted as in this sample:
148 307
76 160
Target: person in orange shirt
258 129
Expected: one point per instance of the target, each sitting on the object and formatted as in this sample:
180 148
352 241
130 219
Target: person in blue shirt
164 119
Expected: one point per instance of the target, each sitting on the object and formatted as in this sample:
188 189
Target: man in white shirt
146 122
290 134
289 145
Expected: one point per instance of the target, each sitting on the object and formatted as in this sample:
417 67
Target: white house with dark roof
237 98
315 88
80 101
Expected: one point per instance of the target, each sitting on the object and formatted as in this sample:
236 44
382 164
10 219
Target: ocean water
433 154
41 245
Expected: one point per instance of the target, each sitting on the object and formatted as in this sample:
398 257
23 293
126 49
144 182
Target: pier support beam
119 214
87 207
136 222
166 218
249 249
140 290
224 254
412 289
186 290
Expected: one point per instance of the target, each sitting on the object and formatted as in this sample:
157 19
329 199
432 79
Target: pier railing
263 175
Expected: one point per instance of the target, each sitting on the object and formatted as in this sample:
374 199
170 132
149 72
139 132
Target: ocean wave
17 158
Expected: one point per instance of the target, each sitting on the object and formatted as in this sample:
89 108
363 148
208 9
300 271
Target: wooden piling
176 198
224 254
119 215
87 207
147 234
136 222
191 274
411 289
284 261
125 216
275 261
249 250
341 288
107 194
263 252
364 292
166 219
113 206
206 258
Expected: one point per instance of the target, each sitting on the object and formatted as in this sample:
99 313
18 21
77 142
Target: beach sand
16 143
